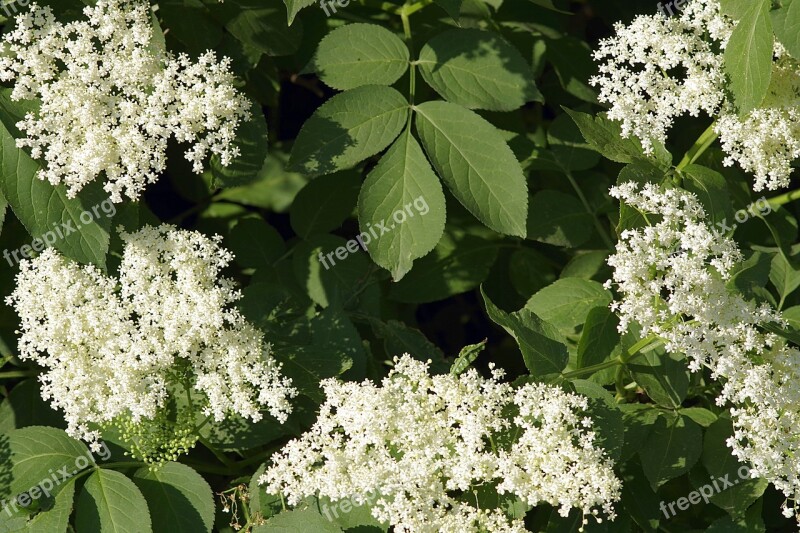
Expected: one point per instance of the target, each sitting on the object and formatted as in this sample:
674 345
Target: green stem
405 12
14 374
630 354
597 224
702 144
784 199
413 8
125 464
591 369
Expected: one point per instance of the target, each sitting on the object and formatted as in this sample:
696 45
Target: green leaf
722 465
701 415
56 518
711 189
399 339
477 69
638 420
401 208
748 56
460 262
784 276
599 337
37 452
255 243
451 7
751 274
293 7
639 500
360 54
466 357
548 4
263 28
349 128
569 147
786 24
251 139
110 501
752 522
672 448
663 376
331 270
605 136
298 521
476 164
542 346
332 346
735 9
572 60
179 499
558 219
605 415
325 203
567 302
46 211
25 407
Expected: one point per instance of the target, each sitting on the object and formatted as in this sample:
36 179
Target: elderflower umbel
111 98
659 68
425 443
117 351
671 276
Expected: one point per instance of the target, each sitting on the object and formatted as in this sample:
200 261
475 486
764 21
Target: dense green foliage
423 177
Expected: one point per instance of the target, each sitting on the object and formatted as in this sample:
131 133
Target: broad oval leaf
263 27
558 219
476 164
349 128
542 346
460 262
46 211
179 499
748 56
401 208
360 54
477 69
38 451
711 189
567 302
786 23
672 448
110 501
325 203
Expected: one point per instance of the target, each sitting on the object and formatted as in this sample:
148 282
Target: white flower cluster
659 68
767 140
424 444
111 97
118 348
671 276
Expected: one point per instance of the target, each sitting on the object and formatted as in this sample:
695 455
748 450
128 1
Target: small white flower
115 348
418 441
671 276
111 98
